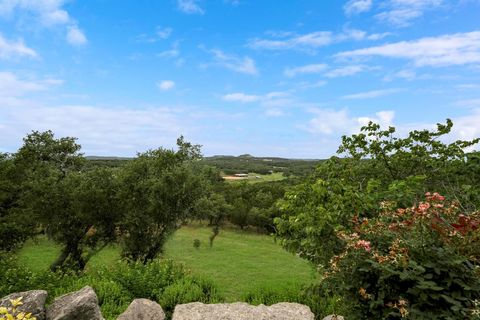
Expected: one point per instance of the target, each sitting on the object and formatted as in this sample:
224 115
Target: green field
256 177
239 262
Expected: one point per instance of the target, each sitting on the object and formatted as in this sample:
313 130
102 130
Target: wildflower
363 244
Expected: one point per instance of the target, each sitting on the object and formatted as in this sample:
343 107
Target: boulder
334 317
143 309
242 311
33 301
79 305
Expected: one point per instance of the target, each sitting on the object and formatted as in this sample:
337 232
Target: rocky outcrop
242 311
33 301
79 305
143 309
83 305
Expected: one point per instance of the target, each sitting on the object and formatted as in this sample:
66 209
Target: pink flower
423 206
363 244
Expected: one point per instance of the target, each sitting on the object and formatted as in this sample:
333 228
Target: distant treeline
263 165
232 165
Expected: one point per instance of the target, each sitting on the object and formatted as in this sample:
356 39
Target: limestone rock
79 305
33 301
242 311
143 309
334 317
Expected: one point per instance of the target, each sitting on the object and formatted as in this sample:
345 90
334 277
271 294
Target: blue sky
270 78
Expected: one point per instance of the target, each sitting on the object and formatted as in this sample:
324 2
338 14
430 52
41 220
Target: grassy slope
239 262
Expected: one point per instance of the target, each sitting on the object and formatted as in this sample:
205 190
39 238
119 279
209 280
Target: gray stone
242 311
33 301
143 309
334 317
79 305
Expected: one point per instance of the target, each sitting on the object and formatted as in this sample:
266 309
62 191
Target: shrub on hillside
420 263
163 281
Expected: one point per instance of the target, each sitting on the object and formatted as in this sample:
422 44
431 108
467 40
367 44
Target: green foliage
420 262
158 191
380 169
188 289
160 280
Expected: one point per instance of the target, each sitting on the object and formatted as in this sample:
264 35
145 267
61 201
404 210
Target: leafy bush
188 289
420 262
160 280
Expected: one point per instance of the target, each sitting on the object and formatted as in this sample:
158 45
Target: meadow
239 262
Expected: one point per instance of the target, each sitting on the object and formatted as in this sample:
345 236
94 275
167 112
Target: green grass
39 253
238 263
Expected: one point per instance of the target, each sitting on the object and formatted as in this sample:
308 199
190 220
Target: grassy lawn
238 262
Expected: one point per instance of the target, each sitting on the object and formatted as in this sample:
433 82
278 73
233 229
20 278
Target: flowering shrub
11 313
420 262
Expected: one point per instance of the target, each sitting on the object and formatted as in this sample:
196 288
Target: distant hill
245 163
264 165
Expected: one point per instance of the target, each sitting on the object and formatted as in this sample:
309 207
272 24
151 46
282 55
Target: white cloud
166 85
164 33
307 69
12 87
357 6
14 49
75 36
338 122
49 12
345 71
307 41
310 85
190 7
160 34
372 94
238 64
241 97
273 102
124 131
445 50
401 13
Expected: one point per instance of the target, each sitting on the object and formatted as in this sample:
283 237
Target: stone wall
83 305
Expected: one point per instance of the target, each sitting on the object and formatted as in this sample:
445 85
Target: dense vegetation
391 223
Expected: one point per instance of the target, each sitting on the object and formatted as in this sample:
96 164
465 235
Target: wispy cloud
241 97
306 41
445 50
357 6
330 121
345 71
190 7
48 13
166 85
235 63
14 49
309 42
12 86
75 36
372 94
307 69
401 13
161 33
